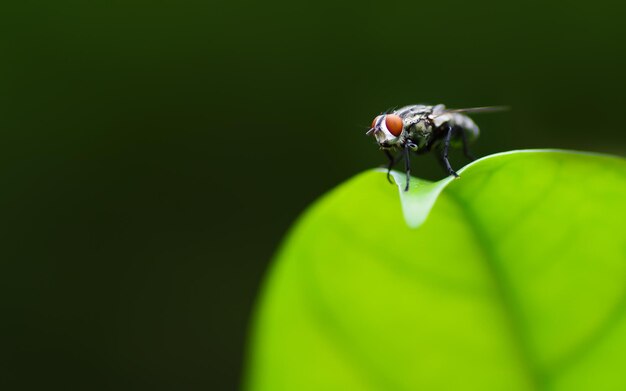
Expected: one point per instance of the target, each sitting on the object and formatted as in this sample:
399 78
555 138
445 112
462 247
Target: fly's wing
471 110
458 117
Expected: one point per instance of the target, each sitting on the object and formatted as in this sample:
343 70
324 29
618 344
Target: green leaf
515 281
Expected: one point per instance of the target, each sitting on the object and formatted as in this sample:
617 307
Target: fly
422 128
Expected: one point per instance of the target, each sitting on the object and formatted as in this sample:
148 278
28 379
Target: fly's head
387 129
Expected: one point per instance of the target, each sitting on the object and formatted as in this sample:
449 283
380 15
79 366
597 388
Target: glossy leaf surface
512 277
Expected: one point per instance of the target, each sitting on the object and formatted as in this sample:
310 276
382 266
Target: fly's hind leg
468 154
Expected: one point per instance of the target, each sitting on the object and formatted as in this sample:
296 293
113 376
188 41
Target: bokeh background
154 153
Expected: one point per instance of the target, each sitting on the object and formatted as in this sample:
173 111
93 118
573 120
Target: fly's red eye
374 121
394 124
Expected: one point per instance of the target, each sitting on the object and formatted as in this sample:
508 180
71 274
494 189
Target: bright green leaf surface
515 281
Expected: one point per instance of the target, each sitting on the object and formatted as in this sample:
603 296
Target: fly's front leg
446 147
392 162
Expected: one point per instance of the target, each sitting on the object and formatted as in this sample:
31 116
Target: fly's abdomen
460 120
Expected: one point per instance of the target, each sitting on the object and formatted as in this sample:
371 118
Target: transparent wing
470 110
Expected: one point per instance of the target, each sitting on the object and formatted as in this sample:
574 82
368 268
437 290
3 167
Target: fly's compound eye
375 120
394 124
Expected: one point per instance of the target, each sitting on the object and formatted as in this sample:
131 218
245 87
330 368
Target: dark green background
153 153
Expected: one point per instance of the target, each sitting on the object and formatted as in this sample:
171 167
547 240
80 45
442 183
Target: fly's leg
392 162
407 167
446 147
466 150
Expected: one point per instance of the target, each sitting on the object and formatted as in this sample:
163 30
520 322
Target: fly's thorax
419 135
420 127
423 127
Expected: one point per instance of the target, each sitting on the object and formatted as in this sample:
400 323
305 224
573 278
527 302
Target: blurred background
154 153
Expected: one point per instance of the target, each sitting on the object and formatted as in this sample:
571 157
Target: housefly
422 128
